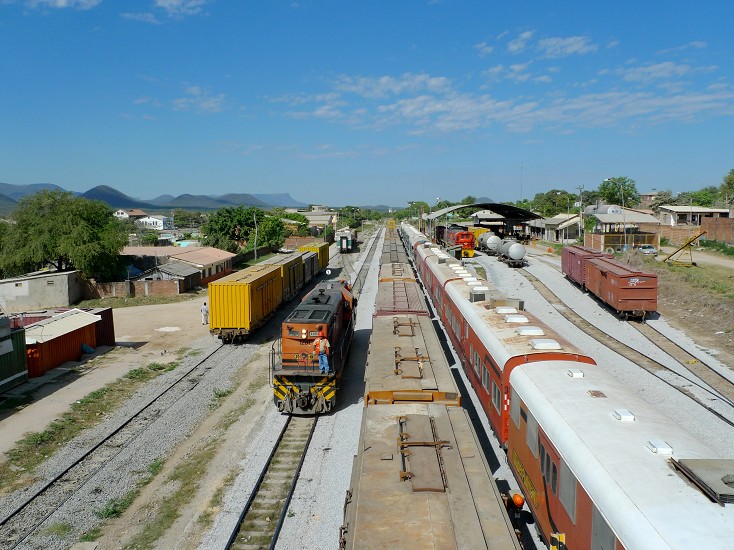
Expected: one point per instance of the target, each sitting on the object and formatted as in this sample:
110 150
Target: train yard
304 502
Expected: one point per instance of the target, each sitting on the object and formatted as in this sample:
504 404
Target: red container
105 327
400 297
45 354
621 286
573 262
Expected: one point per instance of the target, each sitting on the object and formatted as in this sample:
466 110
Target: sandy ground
142 333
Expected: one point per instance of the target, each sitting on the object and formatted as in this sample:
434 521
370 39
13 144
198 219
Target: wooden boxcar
626 289
573 262
244 300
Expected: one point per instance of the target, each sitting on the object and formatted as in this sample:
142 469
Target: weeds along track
26 518
262 517
716 387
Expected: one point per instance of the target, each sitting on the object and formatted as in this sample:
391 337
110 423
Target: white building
158 223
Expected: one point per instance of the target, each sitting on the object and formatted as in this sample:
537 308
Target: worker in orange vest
322 347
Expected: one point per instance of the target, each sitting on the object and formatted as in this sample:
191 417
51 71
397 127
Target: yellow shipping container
291 272
476 231
242 301
321 248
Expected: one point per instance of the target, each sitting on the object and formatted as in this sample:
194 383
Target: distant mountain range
10 194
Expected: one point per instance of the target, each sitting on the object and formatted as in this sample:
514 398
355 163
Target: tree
67 232
553 202
270 233
620 190
727 188
662 198
229 227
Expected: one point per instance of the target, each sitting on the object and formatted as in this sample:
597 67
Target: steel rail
232 542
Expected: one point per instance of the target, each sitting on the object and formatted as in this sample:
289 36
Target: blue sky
359 103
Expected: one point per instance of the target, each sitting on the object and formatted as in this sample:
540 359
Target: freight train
299 386
624 288
460 237
599 467
244 300
420 478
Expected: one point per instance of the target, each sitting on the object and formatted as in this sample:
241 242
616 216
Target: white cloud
484 49
657 71
201 100
177 8
145 17
554 48
520 43
60 4
387 85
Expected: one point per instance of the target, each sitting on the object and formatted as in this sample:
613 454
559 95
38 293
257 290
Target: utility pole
581 211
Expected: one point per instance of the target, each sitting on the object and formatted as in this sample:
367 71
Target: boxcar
322 251
420 480
573 262
626 289
291 272
310 266
603 468
244 300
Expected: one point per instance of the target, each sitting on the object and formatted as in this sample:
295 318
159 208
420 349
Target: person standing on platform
204 314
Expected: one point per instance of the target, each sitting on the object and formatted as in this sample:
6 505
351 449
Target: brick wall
136 288
719 229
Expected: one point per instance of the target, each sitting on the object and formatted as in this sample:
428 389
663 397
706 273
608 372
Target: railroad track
26 518
262 517
721 390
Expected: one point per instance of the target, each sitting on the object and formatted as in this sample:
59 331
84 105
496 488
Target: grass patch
36 447
215 503
718 246
187 476
481 272
219 395
60 530
154 468
91 535
116 506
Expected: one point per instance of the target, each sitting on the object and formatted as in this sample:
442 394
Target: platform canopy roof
507 211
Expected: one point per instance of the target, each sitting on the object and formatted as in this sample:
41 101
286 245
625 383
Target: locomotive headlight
303 333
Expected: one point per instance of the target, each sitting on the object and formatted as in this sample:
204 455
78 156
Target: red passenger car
625 288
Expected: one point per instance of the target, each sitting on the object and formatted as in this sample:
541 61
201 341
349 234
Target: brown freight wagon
573 262
626 289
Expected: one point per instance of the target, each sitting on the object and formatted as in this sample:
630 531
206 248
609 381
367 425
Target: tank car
483 238
602 468
298 386
512 252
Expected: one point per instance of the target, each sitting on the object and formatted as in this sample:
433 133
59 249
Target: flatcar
420 478
298 385
602 468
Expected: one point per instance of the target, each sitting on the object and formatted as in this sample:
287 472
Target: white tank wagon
483 238
512 253
493 245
